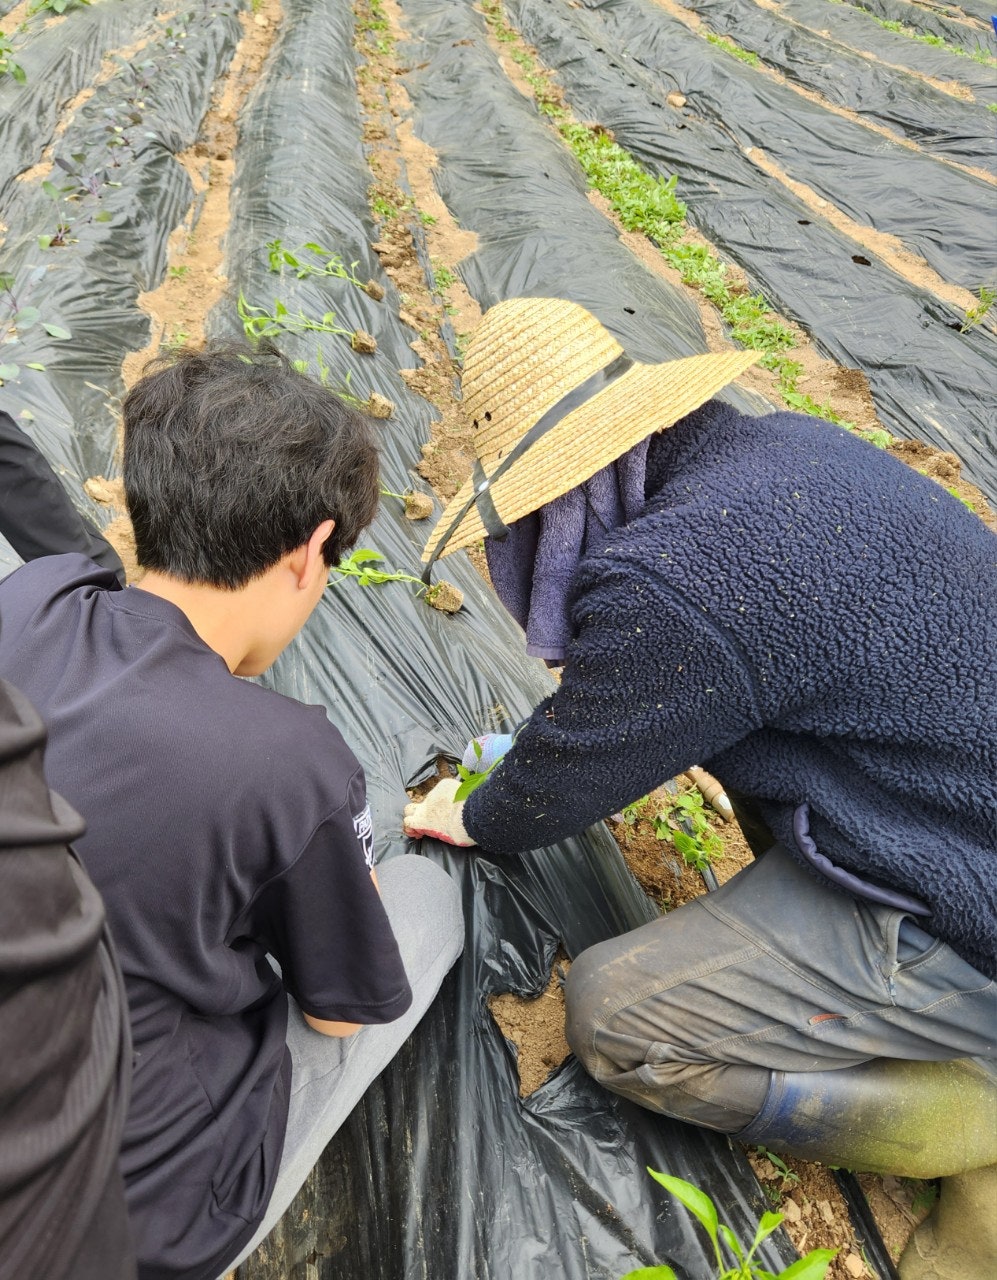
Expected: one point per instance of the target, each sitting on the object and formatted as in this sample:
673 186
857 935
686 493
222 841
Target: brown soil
535 1027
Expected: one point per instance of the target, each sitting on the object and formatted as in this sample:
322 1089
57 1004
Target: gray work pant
329 1075
689 1015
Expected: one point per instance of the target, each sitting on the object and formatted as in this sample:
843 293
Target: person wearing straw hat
812 621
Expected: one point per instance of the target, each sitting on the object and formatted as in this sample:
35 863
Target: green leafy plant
9 66
327 264
360 566
56 6
811 1267
16 318
685 824
987 298
443 278
258 322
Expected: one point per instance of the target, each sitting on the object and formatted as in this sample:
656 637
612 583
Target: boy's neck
224 619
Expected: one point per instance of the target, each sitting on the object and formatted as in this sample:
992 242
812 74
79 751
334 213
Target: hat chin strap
481 494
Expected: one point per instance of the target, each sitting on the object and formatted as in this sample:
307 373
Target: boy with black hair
227 823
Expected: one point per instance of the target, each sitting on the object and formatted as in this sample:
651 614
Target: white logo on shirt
363 825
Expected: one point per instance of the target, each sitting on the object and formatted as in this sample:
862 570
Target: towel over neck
532 568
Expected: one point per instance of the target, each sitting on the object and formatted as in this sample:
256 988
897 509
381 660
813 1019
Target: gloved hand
493 748
436 815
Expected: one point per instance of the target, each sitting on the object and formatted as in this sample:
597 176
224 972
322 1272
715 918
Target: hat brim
646 399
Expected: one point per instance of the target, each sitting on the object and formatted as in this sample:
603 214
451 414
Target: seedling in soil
685 824
975 314
787 1178
9 66
811 1267
442 595
328 264
681 820
418 506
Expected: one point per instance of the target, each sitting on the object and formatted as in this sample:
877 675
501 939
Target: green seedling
443 278
471 779
987 298
811 1267
787 1178
9 66
16 318
359 565
685 824
327 264
178 273
258 322
979 53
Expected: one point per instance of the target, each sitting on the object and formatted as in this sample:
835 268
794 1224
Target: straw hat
548 363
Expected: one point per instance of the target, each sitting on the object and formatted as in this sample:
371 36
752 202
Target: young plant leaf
697 1202
813 1267
651 1273
57 331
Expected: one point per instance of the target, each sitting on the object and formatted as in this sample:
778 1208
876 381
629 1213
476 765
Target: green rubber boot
958 1240
912 1119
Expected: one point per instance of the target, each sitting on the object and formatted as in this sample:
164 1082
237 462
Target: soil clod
445 597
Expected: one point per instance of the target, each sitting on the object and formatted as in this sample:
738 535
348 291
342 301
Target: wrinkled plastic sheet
855 28
442 1170
928 380
91 285
59 61
933 21
939 123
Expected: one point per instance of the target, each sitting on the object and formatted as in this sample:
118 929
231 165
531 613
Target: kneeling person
227 823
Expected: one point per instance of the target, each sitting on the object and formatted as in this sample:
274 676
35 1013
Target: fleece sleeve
650 686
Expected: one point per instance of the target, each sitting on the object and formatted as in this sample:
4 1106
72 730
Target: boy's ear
309 556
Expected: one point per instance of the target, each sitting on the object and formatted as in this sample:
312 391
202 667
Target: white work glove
436 815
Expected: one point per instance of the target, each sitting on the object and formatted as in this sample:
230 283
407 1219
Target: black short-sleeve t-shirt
224 821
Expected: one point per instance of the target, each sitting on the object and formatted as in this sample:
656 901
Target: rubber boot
912 1119
958 1240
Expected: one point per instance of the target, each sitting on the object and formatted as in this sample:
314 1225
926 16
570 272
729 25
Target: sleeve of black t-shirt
323 921
36 515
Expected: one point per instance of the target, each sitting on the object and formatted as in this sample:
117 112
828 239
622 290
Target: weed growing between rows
735 50
650 206
682 820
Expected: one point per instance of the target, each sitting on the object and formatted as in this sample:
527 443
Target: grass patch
735 50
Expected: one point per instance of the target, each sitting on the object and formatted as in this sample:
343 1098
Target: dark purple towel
532 568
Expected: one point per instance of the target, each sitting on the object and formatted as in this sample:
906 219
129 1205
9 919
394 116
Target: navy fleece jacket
812 621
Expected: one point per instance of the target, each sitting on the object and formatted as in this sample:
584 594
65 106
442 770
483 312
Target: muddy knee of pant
589 998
